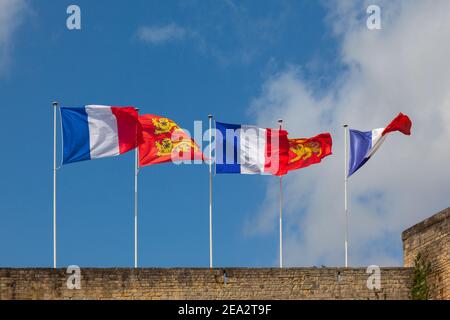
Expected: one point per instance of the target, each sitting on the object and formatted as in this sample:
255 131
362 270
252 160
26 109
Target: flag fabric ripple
250 150
307 151
165 141
363 144
96 131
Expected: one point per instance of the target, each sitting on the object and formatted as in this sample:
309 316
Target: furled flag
251 150
165 141
363 144
307 151
94 131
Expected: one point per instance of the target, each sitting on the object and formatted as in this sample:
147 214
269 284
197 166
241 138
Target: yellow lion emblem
163 125
166 147
304 150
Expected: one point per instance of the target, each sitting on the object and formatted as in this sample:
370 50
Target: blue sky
313 63
186 79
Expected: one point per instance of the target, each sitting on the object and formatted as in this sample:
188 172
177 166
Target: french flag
363 144
94 131
250 150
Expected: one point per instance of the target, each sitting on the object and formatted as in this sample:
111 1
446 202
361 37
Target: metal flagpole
55 107
210 117
280 121
345 192
136 172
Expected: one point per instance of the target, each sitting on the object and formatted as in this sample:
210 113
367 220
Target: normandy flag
165 141
307 151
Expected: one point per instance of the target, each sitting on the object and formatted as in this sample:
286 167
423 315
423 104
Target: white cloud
161 34
11 14
402 68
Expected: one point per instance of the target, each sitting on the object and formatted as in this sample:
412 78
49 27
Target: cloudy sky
314 64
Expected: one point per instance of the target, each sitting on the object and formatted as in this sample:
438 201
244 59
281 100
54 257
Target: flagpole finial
345 125
280 121
210 116
55 103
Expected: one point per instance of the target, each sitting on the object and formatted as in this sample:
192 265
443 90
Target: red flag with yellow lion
307 151
165 141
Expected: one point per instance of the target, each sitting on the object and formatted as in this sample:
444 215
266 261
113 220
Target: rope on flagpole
280 121
55 107
345 192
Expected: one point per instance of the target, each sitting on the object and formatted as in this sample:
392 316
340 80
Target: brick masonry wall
239 283
431 238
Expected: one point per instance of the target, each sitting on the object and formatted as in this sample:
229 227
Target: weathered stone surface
431 238
242 283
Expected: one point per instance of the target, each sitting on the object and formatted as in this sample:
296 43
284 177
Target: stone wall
289 283
431 238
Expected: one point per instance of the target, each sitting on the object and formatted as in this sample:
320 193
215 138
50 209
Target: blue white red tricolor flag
94 131
363 144
251 150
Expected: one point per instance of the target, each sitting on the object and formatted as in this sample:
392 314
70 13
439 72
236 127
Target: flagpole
136 172
345 192
210 117
280 121
55 107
